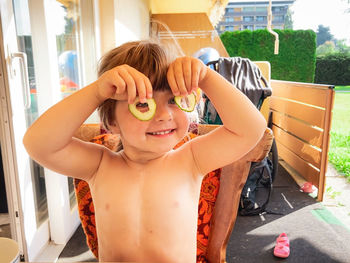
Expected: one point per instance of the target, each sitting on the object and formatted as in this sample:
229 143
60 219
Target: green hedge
297 51
333 69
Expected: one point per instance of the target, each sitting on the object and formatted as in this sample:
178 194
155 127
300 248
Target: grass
342 88
339 151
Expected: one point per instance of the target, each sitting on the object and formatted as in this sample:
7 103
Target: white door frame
8 157
28 234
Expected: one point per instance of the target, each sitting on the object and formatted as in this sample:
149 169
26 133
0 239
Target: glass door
48 53
25 178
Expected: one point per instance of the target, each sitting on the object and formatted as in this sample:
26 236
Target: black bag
245 76
259 176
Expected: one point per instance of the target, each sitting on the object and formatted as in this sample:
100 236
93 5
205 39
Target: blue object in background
207 54
68 65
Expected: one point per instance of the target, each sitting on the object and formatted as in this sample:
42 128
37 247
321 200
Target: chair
219 199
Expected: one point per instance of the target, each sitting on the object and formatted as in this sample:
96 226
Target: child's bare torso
146 212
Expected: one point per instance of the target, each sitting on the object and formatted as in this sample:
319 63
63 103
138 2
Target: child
146 195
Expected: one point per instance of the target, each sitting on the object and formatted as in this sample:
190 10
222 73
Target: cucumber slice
143 111
186 103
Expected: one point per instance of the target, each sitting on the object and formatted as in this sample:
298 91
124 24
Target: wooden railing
301 122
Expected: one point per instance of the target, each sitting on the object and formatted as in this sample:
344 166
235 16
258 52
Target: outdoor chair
219 197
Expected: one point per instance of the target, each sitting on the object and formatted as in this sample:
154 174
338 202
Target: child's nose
163 113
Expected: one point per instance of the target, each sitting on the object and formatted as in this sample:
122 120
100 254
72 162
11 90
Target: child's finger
141 89
171 81
195 74
119 83
186 69
130 84
149 89
179 77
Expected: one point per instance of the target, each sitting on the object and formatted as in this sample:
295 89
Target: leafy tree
341 47
323 34
288 21
326 48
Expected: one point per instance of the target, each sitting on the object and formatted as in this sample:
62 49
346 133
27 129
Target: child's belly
156 222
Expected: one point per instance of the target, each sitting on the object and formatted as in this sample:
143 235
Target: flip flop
282 249
307 187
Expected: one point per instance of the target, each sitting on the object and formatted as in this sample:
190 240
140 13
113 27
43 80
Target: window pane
24 39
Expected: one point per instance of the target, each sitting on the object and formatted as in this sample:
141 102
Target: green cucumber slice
143 111
186 103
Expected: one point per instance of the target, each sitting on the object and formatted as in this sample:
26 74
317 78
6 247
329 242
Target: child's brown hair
147 56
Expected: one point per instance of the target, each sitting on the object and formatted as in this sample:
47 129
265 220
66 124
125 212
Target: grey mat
76 249
315 234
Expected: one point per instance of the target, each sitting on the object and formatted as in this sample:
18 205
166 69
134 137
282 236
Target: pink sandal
282 249
307 187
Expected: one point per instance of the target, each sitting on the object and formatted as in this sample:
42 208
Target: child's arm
243 125
49 140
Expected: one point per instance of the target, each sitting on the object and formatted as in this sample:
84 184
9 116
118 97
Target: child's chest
139 206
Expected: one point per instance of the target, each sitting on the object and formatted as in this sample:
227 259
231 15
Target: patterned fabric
209 191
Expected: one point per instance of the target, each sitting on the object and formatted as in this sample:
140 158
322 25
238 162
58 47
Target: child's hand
124 83
185 74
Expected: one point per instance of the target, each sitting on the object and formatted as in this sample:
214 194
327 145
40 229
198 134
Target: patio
316 230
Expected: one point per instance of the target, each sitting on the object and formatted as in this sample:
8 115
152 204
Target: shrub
333 69
297 51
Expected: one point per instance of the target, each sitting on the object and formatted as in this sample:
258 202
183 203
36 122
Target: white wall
131 20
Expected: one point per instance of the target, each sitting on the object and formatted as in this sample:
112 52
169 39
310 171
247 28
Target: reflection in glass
67 39
24 40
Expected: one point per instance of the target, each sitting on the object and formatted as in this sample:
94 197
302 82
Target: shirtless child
146 195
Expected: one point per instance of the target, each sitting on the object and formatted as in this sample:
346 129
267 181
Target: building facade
252 15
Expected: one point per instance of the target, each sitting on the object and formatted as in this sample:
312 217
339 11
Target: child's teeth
161 133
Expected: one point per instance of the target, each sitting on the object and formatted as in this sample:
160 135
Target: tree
326 48
323 34
288 21
341 47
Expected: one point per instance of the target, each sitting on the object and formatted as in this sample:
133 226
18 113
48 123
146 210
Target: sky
308 14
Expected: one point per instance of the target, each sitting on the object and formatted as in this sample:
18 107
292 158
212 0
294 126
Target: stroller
247 77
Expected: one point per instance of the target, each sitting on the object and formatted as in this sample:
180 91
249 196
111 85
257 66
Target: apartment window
229 28
249 9
222 28
261 9
250 27
228 19
278 27
278 18
229 10
260 27
277 8
261 18
248 18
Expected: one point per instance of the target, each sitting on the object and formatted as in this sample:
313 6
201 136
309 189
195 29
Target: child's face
159 135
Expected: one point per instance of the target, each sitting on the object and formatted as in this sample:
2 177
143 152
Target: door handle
25 80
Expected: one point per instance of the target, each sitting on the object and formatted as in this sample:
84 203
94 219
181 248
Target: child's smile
158 135
162 133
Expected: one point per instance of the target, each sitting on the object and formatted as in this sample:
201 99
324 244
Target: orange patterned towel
209 191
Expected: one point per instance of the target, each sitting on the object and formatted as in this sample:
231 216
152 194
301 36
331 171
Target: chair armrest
87 131
262 149
232 181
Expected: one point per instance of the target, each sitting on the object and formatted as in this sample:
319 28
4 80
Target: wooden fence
301 122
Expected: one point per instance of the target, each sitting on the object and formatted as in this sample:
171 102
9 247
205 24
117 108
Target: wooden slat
308 172
306 93
326 138
300 148
314 116
299 129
